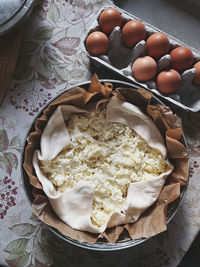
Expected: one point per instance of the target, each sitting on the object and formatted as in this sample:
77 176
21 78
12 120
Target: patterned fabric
51 59
9 49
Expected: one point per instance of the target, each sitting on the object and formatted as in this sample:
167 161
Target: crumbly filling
109 156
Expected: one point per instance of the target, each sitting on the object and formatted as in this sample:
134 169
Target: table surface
51 59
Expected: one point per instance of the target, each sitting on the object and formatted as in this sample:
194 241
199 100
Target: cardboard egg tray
119 59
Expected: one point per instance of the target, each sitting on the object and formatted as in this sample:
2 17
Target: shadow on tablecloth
192 257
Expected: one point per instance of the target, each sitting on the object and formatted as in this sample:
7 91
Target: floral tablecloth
51 59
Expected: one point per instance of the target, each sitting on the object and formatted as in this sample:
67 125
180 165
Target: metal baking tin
170 100
13 12
125 241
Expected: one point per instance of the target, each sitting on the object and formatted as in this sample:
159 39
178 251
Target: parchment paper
153 221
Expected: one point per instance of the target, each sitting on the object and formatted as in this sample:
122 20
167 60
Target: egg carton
120 58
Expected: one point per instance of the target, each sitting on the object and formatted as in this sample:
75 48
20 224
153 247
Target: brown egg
144 68
196 79
109 19
157 45
97 43
181 58
133 32
168 81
